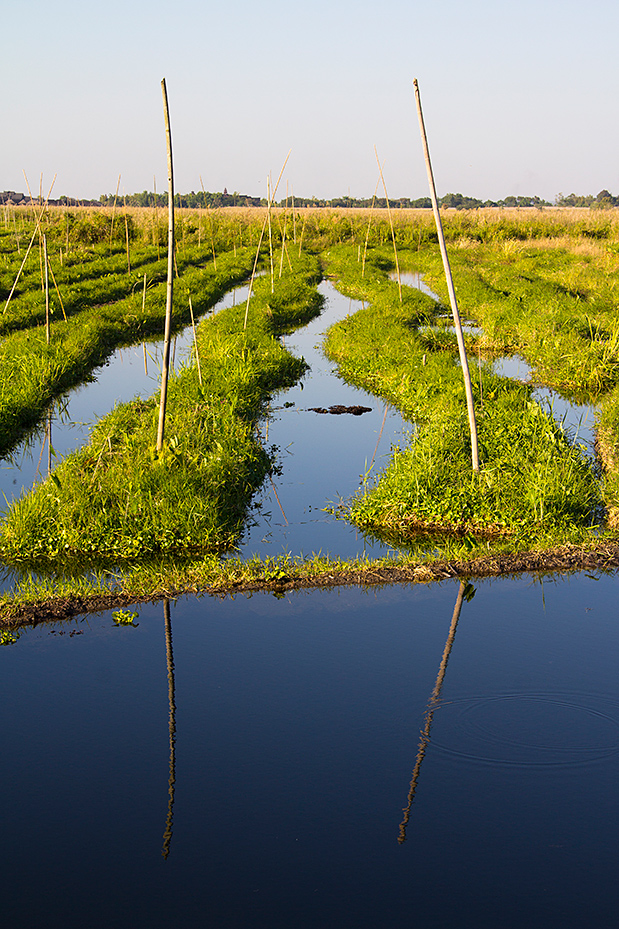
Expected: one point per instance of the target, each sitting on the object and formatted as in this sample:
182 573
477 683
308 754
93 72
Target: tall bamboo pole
450 286
169 291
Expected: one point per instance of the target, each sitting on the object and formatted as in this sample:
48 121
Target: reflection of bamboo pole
450 285
167 835
195 342
432 704
49 442
143 319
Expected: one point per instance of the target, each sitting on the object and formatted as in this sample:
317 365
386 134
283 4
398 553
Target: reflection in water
466 592
167 835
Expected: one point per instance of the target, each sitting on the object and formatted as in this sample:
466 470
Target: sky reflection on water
297 726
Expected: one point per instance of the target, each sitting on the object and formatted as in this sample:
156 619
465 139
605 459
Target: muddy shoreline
602 558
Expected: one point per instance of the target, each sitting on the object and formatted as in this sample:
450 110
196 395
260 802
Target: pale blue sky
519 98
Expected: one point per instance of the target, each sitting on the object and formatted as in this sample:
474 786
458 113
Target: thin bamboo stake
302 234
253 273
170 283
34 234
281 261
46 290
51 271
195 341
156 216
114 212
208 213
367 235
395 250
270 231
127 233
294 219
450 285
34 211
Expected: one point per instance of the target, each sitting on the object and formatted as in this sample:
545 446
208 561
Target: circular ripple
537 729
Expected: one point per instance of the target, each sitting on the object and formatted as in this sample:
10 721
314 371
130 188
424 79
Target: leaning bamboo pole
450 285
395 249
367 234
34 234
170 284
264 225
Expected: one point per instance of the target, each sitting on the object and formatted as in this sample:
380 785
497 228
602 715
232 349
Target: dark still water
296 729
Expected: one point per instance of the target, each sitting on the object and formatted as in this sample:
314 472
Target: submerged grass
117 498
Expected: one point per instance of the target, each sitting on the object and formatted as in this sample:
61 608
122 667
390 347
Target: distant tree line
192 201
604 200
207 199
454 201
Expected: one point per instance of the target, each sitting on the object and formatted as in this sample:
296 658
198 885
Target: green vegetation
103 311
117 498
534 486
117 518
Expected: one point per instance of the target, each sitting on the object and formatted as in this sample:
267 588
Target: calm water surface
296 736
432 756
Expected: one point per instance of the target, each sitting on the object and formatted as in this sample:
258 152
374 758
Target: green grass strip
117 498
534 485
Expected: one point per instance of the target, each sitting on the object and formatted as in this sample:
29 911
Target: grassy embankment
535 488
117 499
102 308
553 301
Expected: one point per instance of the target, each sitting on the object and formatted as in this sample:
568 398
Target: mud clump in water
337 409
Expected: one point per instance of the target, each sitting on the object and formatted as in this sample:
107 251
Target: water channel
434 756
